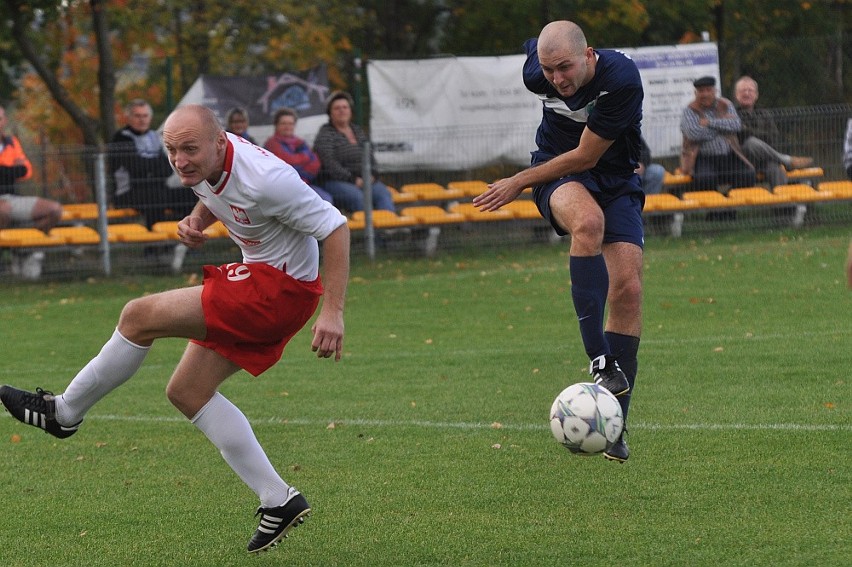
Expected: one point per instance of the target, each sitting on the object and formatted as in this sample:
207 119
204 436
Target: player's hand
190 232
499 193
328 335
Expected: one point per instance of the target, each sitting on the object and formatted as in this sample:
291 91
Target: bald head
196 144
194 117
566 60
561 36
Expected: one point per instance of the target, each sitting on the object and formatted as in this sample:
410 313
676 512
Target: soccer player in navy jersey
240 318
584 182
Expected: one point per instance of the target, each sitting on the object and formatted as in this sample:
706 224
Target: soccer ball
586 419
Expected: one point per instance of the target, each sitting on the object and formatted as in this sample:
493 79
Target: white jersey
273 216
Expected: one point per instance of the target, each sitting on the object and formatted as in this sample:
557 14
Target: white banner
467 112
667 74
451 113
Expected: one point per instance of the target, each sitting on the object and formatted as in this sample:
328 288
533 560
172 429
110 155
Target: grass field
429 443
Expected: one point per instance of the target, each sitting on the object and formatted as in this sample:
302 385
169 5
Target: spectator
295 151
144 179
711 151
651 174
238 123
759 136
339 145
19 209
847 150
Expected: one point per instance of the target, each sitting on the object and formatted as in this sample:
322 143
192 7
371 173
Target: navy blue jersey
610 105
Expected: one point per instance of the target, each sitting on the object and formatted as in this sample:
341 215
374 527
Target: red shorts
253 310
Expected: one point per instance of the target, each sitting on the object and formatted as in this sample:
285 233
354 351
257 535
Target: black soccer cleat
619 452
38 410
275 523
608 374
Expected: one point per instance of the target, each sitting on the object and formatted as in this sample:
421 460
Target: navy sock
625 348
589 287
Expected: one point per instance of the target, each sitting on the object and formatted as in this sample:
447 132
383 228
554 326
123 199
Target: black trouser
713 171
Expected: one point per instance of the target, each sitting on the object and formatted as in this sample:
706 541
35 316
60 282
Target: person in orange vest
16 209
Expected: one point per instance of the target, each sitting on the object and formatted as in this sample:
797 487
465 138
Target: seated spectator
711 151
652 174
16 209
295 151
847 150
759 136
144 179
238 123
340 146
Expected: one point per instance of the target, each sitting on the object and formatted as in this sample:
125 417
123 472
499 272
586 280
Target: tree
33 26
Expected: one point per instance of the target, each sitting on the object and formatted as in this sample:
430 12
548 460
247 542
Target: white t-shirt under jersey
272 215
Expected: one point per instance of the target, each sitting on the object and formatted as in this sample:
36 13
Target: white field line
473 426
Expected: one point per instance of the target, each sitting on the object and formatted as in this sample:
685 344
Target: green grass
440 452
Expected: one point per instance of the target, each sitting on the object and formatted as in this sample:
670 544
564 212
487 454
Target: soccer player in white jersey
242 315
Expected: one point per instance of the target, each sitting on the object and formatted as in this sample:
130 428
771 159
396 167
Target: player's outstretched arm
582 158
328 327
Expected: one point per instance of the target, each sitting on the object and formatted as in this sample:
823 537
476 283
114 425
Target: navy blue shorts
620 198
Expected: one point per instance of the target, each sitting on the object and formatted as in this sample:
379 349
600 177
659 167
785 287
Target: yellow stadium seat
384 219
755 196
523 209
709 199
77 235
471 213
400 197
676 178
838 189
805 173
89 211
132 232
432 192
28 238
667 202
432 214
801 193
469 188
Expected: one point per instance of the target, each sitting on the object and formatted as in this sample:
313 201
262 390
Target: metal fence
69 174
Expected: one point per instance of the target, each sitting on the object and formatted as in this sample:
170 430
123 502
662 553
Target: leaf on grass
496 425
496 446
718 349
828 405
15 438
331 425
100 444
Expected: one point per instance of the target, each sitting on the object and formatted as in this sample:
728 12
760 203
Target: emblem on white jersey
240 215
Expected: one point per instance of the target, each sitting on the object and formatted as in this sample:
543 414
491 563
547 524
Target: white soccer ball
586 419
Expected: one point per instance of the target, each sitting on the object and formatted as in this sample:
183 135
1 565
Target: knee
626 296
587 231
131 322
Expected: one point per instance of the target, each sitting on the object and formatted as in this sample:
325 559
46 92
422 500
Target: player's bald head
193 118
561 36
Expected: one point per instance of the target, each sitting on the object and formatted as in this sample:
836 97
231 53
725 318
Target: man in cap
711 151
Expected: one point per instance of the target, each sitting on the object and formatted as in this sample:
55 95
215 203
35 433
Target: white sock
229 430
118 360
